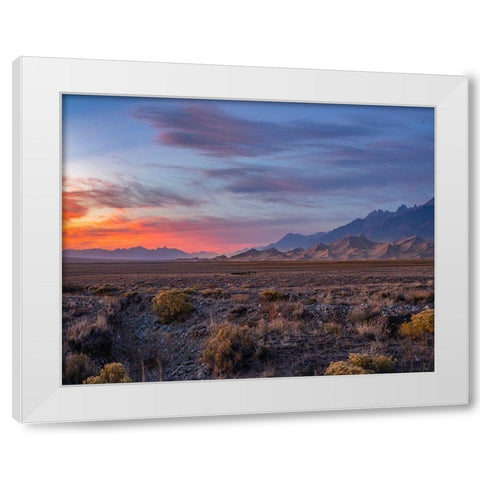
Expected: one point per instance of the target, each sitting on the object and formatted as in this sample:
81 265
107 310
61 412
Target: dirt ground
295 317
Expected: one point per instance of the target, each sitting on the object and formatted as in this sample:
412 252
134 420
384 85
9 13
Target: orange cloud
119 231
72 207
84 194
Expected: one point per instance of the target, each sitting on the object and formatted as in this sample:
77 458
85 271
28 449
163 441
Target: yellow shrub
421 323
170 305
111 373
373 363
211 292
362 363
344 368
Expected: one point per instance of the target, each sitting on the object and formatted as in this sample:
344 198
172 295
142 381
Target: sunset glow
220 176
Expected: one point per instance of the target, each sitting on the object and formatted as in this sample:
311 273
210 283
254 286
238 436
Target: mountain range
374 236
378 226
133 254
352 247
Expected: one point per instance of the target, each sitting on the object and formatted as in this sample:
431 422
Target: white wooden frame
37 392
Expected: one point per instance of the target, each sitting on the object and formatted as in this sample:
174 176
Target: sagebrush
110 373
170 305
420 324
228 349
362 363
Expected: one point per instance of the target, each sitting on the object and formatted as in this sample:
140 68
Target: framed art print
208 240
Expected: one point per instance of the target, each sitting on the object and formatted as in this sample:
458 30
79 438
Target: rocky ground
315 314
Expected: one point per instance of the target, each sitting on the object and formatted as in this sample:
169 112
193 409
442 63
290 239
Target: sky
220 176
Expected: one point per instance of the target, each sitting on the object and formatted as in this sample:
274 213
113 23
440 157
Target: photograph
208 239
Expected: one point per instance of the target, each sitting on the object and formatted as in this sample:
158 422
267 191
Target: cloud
211 131
304 185
72 207
189 234
358 173
82 195
292 180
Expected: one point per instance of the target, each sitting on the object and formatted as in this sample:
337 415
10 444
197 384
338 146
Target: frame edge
21 401
16 239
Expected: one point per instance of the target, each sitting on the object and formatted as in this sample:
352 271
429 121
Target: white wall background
407 36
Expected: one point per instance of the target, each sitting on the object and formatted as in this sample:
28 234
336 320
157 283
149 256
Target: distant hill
352 247
378 225
133 254
260 255
360 238
296 240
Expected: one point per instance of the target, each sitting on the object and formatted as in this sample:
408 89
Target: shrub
170 305
272 295
362 363
344 368
131 295
103 289
111 373
91 336
420 324
240 298
229 349
372 363
359 314
77 368
213 292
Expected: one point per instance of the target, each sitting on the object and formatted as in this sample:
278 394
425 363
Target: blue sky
223 175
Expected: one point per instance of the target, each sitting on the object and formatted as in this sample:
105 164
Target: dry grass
86 326
333 328
294 310
371 328
111 306
329 298
419 295
312 315
278 325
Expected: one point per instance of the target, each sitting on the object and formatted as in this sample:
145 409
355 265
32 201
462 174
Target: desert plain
210 319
